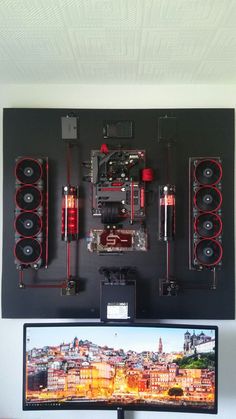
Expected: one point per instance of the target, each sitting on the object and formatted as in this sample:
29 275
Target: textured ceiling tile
32 45
30 13
9 72
216 72
101 13
167 72
103 41
228 16
183 13
223 46
182 44
108 72
41 72
102 44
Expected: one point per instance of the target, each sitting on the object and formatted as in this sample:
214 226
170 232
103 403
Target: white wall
109 96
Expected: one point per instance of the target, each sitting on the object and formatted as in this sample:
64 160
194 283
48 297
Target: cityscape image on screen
139 367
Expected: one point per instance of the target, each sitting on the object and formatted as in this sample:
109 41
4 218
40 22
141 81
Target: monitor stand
120 413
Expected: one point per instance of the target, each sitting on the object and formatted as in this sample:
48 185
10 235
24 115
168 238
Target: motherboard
118 180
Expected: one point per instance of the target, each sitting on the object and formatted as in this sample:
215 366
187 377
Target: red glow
70 214
147 175
104 149
142 198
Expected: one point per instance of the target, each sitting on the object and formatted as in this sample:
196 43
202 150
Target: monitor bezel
128 407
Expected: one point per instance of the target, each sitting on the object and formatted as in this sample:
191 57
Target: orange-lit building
57 380
73 379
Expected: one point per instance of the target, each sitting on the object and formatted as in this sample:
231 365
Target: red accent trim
168 260
117 183
207 187
142 198
213 161
68 162
212 213
22 284
46 212
21 281
62 285
68 262
219 258
29 158
110 189
132 202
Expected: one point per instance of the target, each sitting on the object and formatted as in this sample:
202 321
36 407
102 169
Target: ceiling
118 41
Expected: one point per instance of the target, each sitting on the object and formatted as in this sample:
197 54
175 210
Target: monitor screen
130 367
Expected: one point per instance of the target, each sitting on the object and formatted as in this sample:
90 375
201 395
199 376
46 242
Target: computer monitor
164 367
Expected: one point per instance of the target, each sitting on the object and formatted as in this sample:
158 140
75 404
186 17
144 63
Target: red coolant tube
70 213
167 213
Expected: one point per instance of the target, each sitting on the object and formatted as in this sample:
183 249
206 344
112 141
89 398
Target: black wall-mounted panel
199 133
